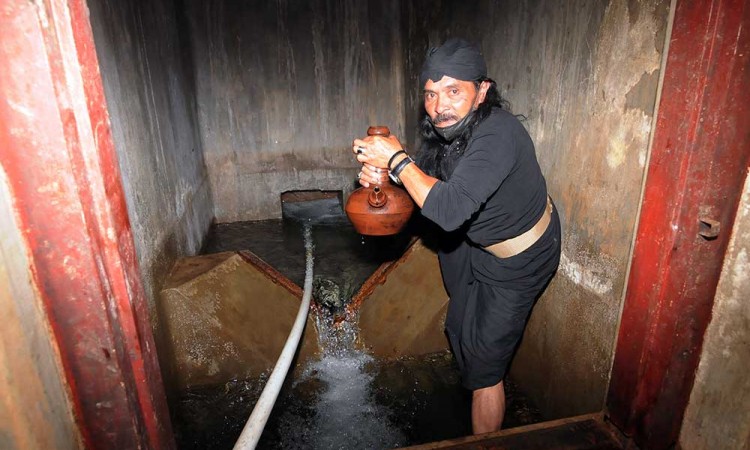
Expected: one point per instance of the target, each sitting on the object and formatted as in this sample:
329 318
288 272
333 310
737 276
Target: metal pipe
257 421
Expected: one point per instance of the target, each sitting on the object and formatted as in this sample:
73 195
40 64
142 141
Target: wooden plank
586 432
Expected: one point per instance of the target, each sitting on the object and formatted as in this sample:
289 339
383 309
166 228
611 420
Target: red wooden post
698 166
60 162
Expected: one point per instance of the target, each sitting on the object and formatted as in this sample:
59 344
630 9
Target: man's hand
376 150
372 175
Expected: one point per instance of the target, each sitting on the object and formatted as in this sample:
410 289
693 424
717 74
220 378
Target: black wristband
390 161
400 166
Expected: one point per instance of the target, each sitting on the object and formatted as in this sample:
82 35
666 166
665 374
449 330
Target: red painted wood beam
59 160
699 162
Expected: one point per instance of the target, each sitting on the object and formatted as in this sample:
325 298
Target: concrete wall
585 75
148 84
718 413
284 87
34 407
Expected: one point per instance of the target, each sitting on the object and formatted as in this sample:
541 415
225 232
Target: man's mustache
440 118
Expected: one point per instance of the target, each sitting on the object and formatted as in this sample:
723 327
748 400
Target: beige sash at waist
514 246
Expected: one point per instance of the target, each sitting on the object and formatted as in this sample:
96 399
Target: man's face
449 100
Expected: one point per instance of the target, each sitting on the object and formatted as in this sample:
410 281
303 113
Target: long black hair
438 157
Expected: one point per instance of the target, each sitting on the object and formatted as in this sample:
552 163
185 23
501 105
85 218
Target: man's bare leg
488 408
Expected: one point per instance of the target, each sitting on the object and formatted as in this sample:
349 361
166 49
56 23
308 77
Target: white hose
257 421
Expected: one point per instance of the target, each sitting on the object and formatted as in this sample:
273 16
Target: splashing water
345 412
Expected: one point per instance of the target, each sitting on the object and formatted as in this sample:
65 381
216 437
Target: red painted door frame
58 156
699 162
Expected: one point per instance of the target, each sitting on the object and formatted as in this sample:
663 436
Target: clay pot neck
377 198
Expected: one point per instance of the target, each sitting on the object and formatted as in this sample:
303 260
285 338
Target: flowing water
342 413
347 399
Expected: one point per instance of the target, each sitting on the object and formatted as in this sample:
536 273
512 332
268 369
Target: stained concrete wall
34 407
284 87
718 413
585 75
146 68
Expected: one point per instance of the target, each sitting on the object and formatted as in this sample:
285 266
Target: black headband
457 59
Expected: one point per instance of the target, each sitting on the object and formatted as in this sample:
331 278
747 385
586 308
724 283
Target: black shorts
490 302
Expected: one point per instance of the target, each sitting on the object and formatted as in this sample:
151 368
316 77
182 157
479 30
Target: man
478 178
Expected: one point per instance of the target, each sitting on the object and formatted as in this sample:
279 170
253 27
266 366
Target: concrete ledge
228 316
402 306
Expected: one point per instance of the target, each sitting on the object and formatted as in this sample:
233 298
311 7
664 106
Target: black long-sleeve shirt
497 185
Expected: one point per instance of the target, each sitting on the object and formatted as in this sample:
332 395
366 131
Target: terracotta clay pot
382 209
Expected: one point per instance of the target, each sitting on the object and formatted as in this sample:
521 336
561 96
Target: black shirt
497 185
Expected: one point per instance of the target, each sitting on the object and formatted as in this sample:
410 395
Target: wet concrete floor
411 401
